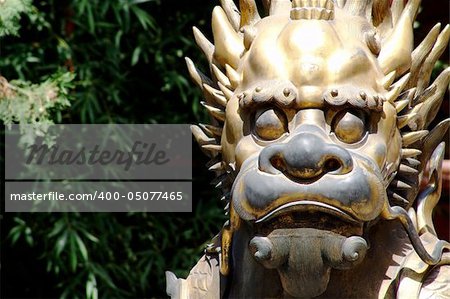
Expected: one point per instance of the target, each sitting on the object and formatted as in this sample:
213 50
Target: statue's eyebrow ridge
280 93
359 99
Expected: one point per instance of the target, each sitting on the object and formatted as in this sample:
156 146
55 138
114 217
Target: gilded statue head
319 130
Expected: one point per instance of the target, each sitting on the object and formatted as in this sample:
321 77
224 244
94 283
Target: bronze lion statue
319 138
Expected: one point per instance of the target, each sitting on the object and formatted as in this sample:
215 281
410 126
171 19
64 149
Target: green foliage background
119 61
92 61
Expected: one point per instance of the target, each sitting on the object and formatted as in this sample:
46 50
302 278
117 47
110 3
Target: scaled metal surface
319 138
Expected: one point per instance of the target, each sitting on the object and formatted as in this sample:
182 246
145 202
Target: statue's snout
306 156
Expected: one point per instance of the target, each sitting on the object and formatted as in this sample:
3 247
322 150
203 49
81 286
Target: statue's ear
431 194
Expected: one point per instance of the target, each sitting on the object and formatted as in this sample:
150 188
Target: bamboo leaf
81 247
135 56
61 243
73 253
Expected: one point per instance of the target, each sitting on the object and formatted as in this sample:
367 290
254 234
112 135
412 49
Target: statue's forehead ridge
310 53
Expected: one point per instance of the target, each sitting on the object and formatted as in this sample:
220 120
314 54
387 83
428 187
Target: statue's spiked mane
407 75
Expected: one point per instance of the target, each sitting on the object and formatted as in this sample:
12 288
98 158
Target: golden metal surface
320 112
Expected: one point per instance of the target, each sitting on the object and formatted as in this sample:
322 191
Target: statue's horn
397 47
380 9
249 12
228 44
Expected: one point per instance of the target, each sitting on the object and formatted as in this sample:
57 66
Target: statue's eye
270 124
349 126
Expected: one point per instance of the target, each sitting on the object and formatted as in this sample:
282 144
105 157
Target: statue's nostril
278 162
331 165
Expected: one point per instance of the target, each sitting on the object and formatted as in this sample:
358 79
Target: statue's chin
304 257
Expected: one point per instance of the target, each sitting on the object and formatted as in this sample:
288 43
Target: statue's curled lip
309 205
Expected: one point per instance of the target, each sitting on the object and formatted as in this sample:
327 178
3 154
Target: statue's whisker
398 213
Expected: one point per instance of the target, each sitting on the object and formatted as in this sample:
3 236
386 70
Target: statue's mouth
306 205
309 214
357 196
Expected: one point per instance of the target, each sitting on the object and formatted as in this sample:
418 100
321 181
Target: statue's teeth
312 10
328 4
311 13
